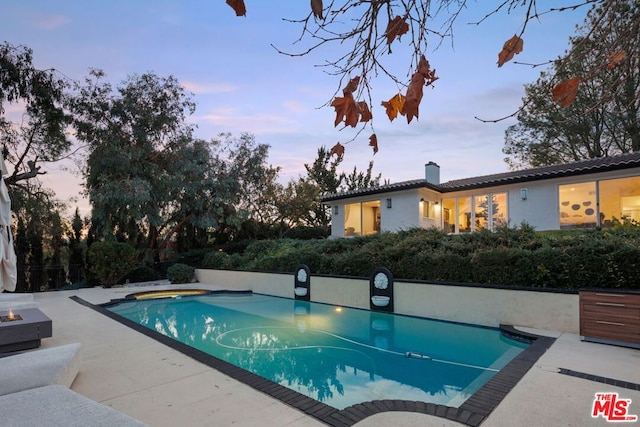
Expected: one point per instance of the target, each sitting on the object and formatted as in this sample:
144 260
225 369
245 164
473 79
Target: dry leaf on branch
316 8
352 85
337 149
373 142
238 7
424 76
365 113
394 106
565 92
396 28
615 58
347 109
413 97
511 47
425 69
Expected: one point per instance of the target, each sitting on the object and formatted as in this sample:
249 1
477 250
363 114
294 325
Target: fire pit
23 330
10 317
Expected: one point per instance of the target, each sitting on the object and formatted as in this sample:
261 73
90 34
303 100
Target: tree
250 210
604 118
39 134
257 185
357 179
146 176
54 263
76 249
370 34
36 213
36 135
110 261
323 177
298 205
22 250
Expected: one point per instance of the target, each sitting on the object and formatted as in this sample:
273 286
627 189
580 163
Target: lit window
619 200
578 205
361 219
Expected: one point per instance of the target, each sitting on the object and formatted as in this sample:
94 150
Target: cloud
295 106
47 22
200 89
260 123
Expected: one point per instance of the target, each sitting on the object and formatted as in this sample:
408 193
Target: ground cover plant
573 259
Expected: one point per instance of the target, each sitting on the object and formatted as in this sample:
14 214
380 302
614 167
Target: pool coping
472 412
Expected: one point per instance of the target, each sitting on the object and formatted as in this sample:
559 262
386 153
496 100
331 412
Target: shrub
503 266
567 259
214 259
109 261
180 273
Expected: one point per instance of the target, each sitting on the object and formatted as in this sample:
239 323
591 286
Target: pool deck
160 386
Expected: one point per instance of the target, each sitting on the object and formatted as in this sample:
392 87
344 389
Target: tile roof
582 167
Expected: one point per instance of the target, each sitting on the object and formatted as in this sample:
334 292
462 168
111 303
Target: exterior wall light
388 203
335 210
524 193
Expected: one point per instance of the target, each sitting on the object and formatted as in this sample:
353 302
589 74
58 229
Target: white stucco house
582 194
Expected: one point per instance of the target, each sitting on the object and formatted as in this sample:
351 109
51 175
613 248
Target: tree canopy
604 117
145 174
39 134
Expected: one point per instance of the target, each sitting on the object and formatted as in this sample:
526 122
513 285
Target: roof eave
393 188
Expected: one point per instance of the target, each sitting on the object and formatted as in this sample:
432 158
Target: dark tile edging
599 379
471 413
485 400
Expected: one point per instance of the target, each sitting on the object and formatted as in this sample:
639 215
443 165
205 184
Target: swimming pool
336 355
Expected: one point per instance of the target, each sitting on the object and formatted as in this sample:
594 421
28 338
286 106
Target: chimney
432 173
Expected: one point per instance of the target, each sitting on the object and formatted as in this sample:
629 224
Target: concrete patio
160 386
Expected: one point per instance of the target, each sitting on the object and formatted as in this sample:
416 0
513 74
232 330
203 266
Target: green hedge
181 273
510 256
110 261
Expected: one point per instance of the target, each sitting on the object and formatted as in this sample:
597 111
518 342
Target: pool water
339 356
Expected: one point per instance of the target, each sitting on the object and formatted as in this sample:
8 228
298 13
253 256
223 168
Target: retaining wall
487 306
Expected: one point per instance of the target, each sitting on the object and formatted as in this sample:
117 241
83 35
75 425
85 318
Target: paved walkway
162 387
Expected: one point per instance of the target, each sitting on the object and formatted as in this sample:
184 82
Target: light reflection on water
337 357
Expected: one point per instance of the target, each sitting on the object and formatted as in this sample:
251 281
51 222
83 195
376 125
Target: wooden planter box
610 317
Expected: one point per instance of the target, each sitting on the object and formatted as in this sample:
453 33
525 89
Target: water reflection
339 358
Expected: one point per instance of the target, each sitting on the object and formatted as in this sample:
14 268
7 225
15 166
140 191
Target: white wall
467 304
337 219
540 209
404 213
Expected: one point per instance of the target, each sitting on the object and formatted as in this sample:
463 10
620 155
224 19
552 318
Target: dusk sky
241 84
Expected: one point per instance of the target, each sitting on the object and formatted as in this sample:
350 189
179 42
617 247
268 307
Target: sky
242 84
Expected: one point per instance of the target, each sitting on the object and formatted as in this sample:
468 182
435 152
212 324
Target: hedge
607 258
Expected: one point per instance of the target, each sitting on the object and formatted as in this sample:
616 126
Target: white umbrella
8 268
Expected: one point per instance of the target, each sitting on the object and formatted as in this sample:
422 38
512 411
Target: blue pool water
339 356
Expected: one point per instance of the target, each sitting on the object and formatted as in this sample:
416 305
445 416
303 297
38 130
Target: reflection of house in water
582 194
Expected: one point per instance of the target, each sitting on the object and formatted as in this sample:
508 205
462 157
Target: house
583 194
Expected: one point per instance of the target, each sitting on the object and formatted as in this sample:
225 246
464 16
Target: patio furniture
23 329
57 406
50 366
34 391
